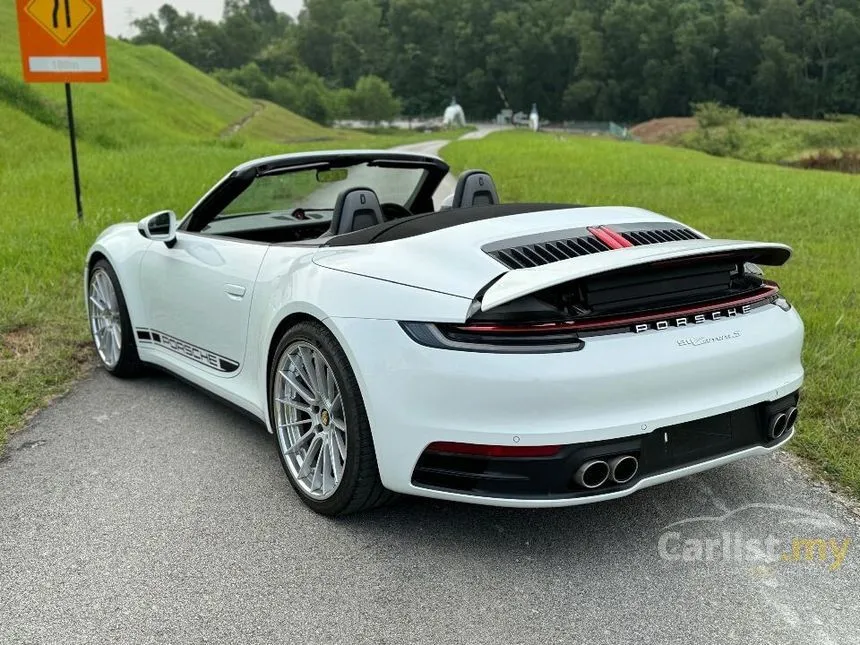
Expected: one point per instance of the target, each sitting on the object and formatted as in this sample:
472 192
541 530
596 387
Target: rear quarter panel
291 283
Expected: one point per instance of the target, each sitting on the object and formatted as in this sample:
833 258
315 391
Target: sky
118 16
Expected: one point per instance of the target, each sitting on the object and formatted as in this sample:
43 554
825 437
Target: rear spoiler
521 282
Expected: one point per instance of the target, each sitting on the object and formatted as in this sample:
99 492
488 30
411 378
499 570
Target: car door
197 297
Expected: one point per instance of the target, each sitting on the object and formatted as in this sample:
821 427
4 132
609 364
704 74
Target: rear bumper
624 387
551 501
657 454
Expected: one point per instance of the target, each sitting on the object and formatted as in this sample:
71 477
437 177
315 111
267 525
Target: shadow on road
597 533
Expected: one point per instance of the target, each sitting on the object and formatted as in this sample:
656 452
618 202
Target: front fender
123 247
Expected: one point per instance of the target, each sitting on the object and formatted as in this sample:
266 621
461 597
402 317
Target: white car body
217 306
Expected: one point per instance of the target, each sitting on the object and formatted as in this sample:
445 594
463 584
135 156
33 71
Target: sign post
63 41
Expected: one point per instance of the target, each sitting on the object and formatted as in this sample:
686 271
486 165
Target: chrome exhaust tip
790 418
624 468
777 426
592 473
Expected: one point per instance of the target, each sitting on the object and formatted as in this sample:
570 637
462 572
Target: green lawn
814 212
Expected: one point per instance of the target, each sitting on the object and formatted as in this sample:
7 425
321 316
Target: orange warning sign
62 41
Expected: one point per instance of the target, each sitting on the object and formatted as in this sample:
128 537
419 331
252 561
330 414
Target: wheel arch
130 298
290 320
287 321
93 257
121 246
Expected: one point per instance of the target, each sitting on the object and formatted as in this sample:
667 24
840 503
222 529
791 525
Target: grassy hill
814 212
152 98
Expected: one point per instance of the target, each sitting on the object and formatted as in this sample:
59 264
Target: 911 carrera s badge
689 321
707 340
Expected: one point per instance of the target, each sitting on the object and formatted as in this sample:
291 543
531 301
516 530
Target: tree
247 80
622 60
777 77
373 100
304 93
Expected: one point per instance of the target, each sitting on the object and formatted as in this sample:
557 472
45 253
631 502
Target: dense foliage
624 60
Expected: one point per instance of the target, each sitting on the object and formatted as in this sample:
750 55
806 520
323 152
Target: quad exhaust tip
790 418
778 425
592 473
624 468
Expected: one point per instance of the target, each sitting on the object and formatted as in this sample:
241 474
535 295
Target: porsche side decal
195 353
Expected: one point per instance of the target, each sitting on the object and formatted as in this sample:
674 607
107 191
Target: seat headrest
355 209
475 188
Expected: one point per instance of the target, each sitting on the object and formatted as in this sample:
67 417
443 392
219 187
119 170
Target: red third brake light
609 237
479 450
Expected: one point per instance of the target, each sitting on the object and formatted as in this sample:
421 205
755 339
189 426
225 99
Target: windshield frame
241 178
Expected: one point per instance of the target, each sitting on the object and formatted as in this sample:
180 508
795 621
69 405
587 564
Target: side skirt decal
177 346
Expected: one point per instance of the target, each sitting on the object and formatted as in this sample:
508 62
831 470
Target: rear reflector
492 451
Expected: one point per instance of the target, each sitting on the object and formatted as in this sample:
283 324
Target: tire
125 363
294 417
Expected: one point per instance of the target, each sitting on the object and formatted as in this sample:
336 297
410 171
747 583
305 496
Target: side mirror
159 227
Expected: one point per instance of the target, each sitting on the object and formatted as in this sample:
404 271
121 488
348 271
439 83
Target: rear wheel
318 416
110 324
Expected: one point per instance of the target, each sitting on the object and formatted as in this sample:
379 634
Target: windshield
274 200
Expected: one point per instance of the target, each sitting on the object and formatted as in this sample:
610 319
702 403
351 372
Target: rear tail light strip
769 290
566 336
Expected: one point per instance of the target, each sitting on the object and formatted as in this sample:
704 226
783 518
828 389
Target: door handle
235 291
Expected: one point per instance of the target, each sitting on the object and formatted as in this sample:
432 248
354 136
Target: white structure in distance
454 115
534 119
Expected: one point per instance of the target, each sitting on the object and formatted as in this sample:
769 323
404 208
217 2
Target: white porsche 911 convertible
528 355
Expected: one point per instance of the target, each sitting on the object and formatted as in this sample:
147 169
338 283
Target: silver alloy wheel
105 319
310 419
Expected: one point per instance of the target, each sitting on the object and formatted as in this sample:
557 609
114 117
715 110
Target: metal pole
71 115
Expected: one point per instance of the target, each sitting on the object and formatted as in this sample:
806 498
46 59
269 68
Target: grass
775 140
814 212
274 123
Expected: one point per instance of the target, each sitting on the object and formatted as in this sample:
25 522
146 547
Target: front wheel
319 419
110 324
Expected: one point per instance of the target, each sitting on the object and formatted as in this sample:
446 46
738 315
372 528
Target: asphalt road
146 512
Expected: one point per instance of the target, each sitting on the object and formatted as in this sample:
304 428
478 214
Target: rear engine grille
543 252
535 255
656 236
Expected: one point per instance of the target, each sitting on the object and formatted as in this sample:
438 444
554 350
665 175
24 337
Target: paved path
145 512
448 184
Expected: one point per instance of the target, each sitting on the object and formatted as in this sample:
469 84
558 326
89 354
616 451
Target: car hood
452 261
